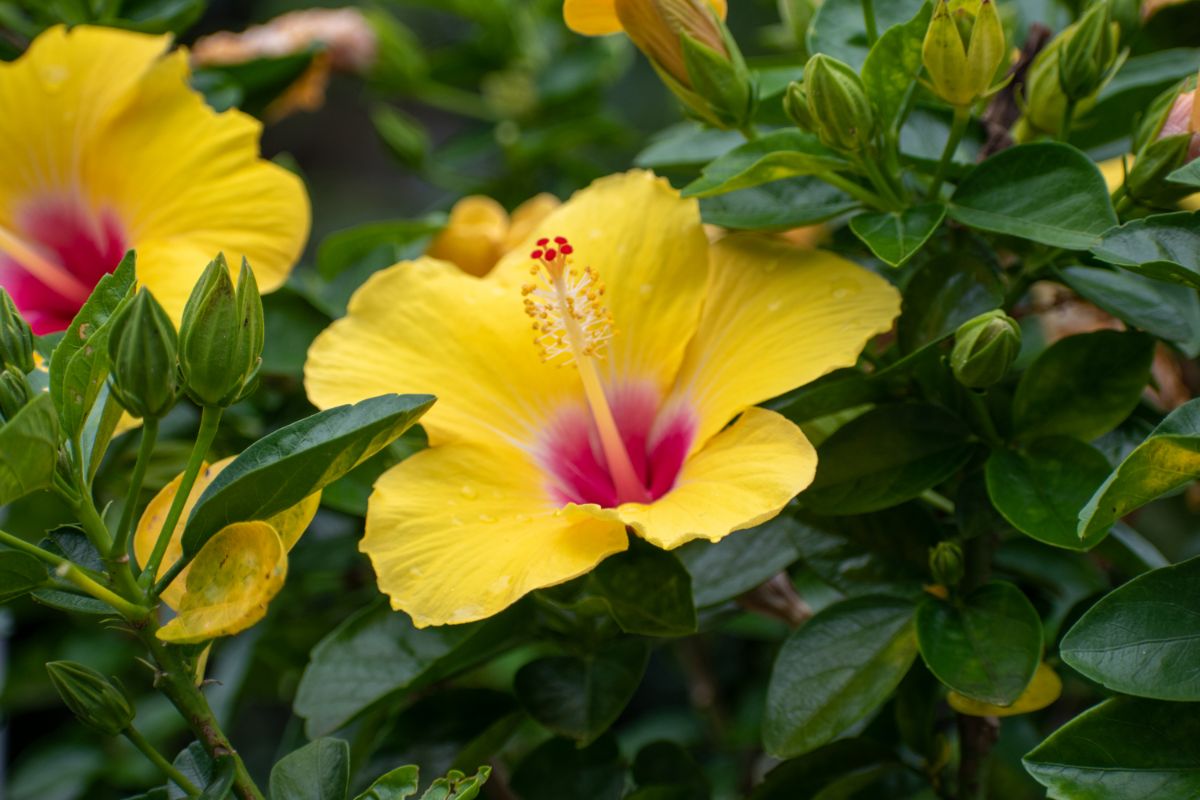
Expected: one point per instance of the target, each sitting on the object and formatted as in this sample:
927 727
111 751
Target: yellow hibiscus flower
602 17
106 148
479 231
649 340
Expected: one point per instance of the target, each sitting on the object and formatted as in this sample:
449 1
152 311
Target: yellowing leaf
1043 690
289 524
229 584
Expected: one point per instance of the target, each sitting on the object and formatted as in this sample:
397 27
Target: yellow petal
1043 689
777 318
743 476
188 182
425 326
649 247
459 532
230 583
591 17
288 524
474 235
527 217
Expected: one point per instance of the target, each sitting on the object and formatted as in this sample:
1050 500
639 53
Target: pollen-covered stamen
570 319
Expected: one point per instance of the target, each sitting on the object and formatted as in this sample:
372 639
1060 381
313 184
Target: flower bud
15 392
1147 180
16 337
143 350
946 563
221 338
91 697
795 105
962 74
984 349
1088 53
837 102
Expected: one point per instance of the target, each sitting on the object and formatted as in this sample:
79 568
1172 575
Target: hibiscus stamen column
46 271
571 320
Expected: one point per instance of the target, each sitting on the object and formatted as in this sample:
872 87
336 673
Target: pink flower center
53 256
1184 117
656 438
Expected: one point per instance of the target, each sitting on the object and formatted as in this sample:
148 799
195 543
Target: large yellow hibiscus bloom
649 341
105 147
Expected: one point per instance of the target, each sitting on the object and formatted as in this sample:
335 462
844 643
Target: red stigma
551 254
536 255
543 242
560 240
566 250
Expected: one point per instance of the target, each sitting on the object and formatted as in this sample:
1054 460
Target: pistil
42 268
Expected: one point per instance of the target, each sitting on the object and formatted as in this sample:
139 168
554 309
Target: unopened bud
795 105
984 349
962 72
946 564
837 102
15 392
221 338
143 350
16 337
91 697
1089 52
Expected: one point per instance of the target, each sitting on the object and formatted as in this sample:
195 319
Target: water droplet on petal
54 76
468 492
774 305
521 518
486 518
843 288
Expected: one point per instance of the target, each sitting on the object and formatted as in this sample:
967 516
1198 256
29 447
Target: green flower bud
16 337
795 105
962 73
15 392
838 103
1147 180
946 563
91 697
143 350
221 338
1088 53
984 349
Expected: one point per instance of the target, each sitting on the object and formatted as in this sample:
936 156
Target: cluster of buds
984 349
92 698
1167 139
695 56
963 52
16 358
832 103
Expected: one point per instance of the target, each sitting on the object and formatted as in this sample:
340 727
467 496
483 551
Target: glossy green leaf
215 778
781 205
1165 247
28 450
886 456
558 769
343 248
665 770
1123 748
1041 489
944 293
896 237
581 697
1188 174
1168 459
458 786
986 645
892 66
648 590
284 467
1055 580
1143 638
838 29
835 670
70 601
398 784
79 365
318 771
810 776
1046 192
1083 386
20 573
687 144
741 561
1168 310
778 155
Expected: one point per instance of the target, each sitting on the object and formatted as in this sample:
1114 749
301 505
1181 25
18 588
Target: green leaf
945 292
342 249
686 144
667 770
782 205
1165 247
888 455
896 237
457 786
1143 638
1121 749
20 573
809 776
778 155
835 670
648 590
284 467
892 66
838 29
1167 310
1041 490
558 769
1167 460
79 365
28 450
1046 192
986 645
1083 386
377 653
398 784
69 601
741 561
318 771
581 697
215 779
1188 174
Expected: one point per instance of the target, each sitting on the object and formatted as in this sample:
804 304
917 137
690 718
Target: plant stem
1064 133
78 576
156 758
454 100
881 182
210 419
868 8
120 546
860 193
749 131
962 115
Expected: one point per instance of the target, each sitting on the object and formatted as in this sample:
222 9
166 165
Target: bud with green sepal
1090 53
795 106
92 698
221 338
16 337
838 105
946 564
143 350
963 54
984 349
15 392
